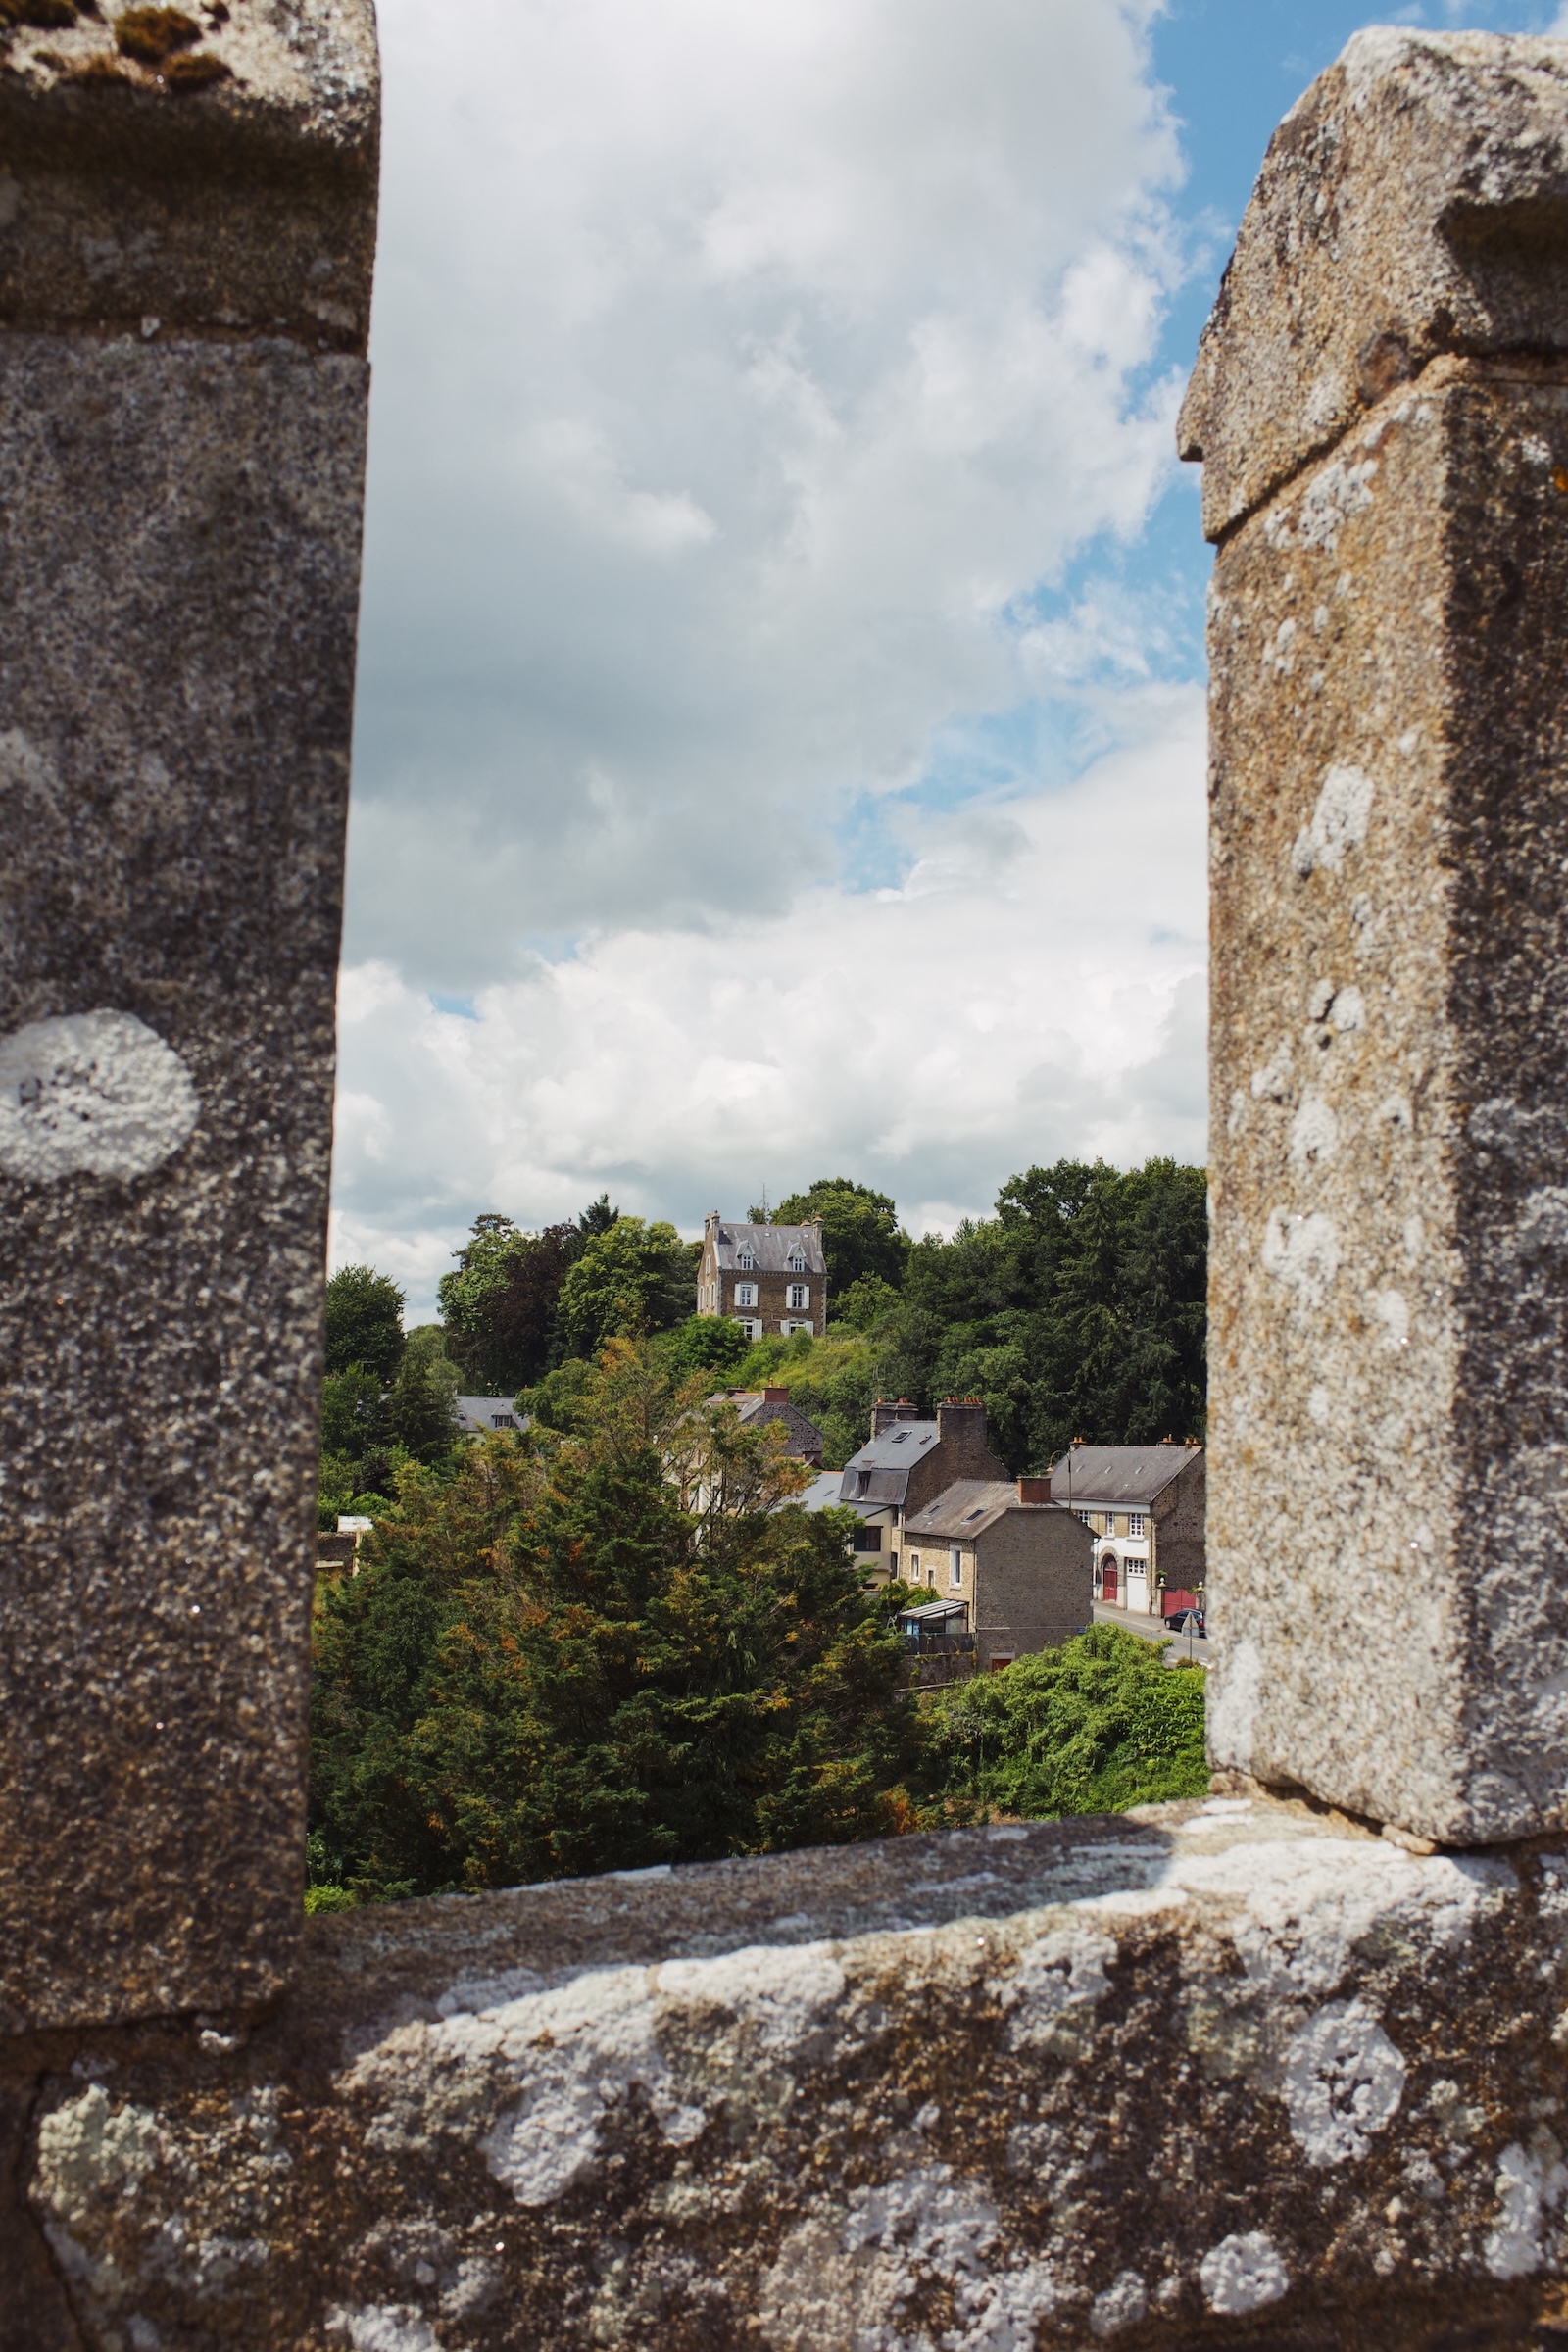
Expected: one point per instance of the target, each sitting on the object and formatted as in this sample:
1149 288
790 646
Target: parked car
1186 1621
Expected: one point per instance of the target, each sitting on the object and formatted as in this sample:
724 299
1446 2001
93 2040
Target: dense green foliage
634 1279
599 1646
369 1432
1077 1311
1094 1727
363 1322
500 1301
860 1231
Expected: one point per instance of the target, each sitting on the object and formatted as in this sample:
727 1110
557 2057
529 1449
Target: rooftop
1118 1474
479 1415
966 1509
771 1246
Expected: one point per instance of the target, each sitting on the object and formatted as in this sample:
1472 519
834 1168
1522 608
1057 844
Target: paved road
1150 1629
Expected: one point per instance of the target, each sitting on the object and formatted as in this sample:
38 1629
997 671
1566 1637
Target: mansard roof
771 1246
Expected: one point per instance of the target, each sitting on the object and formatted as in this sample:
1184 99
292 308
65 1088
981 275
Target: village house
758 1407
1012 1564
1143 1506
905 1464
477 1416
767 1278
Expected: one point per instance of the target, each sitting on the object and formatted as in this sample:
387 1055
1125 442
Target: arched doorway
1109 1585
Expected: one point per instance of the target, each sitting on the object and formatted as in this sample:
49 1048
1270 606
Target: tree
363 1321
1078 1311
632 1278
420 1410
714 1344
1094 1727
600 1648
860 1233
500 1301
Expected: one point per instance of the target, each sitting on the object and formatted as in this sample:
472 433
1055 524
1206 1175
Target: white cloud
743 374
1034 988
736 368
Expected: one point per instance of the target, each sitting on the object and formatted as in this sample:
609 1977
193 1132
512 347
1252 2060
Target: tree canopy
861 1232
600 1646
631 1278
1078 1311
363 1321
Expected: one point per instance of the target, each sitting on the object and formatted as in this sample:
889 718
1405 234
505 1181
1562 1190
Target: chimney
884 1413
1034 1489
961 1424
775 1395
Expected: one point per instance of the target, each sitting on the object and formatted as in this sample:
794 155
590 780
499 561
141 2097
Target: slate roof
755 1409
964 1510
771 1246
1128 1477
880 1472
477 1415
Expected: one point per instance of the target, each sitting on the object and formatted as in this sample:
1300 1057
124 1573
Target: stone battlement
1251 2072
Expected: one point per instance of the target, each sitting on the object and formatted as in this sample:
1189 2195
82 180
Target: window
1111 1523
743 1255
954 1565
1135 1523
1087 1518
786 1327
915 1563
868 1539
503 1420
745 1294
751 1326
797 1262
800 1294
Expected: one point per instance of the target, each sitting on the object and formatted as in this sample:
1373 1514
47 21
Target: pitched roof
755 1409
482 1414
965 1509
823 1495
1117 1474
880 1471
771 1246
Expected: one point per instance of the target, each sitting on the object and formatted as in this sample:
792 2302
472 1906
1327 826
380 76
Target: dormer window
743 1256
797 1259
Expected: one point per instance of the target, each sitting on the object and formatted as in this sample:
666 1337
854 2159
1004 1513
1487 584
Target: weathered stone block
1211 2074
1388 1420
1412 204
183 292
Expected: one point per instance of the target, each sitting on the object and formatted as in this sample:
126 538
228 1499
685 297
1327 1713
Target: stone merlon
1413 203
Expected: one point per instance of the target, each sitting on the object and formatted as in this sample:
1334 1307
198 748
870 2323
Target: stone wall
1255 2072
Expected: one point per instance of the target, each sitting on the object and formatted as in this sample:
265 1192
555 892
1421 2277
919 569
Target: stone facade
770 1278
908 1460
1022 1565
182 385
1389 1276
1147 1506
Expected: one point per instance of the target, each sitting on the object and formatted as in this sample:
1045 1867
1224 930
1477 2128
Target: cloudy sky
780 727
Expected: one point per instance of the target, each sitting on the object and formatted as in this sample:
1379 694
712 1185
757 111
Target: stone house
906 1463
1145 1507
769 1278
1019 1565
757 1406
